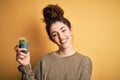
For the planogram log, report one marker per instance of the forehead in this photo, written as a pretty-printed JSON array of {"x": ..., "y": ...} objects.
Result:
[{"x": 57, "y": 26}]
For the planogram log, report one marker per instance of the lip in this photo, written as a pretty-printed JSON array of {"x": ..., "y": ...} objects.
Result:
[{"x": 63, "y": 41}]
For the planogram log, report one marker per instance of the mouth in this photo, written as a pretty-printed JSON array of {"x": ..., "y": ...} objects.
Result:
[{"x": 63, "y": 41}]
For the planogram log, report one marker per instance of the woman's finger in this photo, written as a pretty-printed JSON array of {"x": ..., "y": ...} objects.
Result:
[
  {"x": 20, "y": 56},
  {"x": 20, "y": 49},
  {"x": 23, "y": 54},
  {"x": 16, "y": 48}
]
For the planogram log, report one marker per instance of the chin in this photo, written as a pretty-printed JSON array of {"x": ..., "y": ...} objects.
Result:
[{"x": 64, "y": 46}]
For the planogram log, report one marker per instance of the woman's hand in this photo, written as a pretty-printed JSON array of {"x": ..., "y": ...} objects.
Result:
[{"x": 22, "y": 58}]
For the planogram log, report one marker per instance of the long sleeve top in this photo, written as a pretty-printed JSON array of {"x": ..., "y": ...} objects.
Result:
[{"x": 52, "y": 67}]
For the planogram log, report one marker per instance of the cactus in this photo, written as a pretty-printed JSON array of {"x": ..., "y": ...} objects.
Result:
[
  {"x": 22, "y": 41},
  {"x": 23, "y": 44}
]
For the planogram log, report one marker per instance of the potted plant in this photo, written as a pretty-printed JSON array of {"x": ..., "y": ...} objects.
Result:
[{"x": 23, "y": 44}]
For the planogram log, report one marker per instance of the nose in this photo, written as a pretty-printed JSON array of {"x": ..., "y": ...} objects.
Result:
[{"x": 61, "y": 36}]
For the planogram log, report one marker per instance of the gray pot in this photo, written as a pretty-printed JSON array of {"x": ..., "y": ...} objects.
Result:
[{"x": 24, "y": 46}]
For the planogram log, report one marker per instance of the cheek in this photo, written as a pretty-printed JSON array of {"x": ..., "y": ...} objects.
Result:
[
  {"x": 54, "y": 40},
  {"x": 69, "y": 34}
]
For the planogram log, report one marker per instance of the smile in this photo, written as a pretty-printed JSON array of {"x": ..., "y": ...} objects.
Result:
[{"x": 63, "y": 41}]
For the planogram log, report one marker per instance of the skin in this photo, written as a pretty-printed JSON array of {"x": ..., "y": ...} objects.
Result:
[
  {"x": 23, "y": 59},
  {"x": 60, "y": 34}
]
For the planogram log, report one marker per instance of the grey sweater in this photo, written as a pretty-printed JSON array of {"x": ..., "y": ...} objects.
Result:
[{"x": 52, "y": 67}]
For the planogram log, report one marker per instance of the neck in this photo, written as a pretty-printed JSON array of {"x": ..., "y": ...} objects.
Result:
[{"x": 63, "y": 52}]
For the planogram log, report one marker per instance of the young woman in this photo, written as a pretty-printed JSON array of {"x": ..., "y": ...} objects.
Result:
[{"x": 62, "y": 64}]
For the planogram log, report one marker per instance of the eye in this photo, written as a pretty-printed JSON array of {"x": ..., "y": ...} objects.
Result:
[
  {"x": 63, "y": 30},
  {"x": 54, "y": 35}
]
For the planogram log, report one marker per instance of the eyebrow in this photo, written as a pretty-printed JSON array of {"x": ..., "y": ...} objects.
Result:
[
  {"x": 62, "y": 28},
  {"x": 55, "y": 31}
]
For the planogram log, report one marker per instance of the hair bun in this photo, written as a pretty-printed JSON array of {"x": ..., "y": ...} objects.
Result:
[{"x": 52, "y": 12}]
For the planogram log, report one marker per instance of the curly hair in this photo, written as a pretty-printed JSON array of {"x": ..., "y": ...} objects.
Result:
[{"x": 52, "y": 14}]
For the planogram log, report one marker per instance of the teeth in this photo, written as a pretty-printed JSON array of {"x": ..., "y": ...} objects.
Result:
[{"x": 63, "y": 41}]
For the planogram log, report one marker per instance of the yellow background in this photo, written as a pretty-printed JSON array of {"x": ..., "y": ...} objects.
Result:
[{"x": 96, "y": 33}]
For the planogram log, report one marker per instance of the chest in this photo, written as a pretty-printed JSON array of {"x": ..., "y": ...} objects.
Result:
[{"x": 62, "y": 70}]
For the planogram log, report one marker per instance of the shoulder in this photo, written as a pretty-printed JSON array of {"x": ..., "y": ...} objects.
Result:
[
  {"x": 85, "y": 67},
  {"x": 45, "y": 56},
  {"x": 84, "y": 58}
]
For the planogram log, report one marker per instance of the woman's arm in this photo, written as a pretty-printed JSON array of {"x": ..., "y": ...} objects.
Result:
[
  {"x": 27, "y": 73},
  {"x": 86, "y": 69},
  {"x": 24, "y": 60}
]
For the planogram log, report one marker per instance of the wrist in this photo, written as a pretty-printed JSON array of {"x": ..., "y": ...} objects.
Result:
[
  {"x": 25, "y": 68},
  {"x": 26, "y": 64}
]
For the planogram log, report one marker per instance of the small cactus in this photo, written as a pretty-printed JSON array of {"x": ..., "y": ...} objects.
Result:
[{"x": 23, "y": 44}]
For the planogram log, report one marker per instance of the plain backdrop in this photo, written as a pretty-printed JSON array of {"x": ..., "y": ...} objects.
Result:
[{"x": 96, "y": 33}]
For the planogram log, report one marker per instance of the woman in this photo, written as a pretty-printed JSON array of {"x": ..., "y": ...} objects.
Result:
[{"x": 62, "y": 64}]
